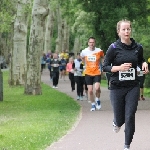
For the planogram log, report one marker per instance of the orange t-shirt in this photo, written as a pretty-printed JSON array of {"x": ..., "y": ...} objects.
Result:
[{"x": 92, "y": 60}]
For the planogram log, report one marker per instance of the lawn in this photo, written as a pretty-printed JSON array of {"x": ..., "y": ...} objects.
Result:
[
  {"x": 147, "y": 92},
  {"x": 34, "y": 122}
]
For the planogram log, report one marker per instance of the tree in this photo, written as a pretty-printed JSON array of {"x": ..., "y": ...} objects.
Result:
[
  {"x": 49, "y": 30},
  {"x": 18, "y": 63},
  {"x": 109, "y": 12},
  {"x": 33, "y": 79},
  {"x": 7, "y": 13},
  {"x": 59, "y": 31}
]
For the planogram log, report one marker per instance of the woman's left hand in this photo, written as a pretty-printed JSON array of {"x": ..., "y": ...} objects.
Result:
[{"x": 145, "y": 68}]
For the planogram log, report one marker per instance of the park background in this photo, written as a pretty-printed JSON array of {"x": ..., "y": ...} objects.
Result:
[{"x": 30, "y": 27}]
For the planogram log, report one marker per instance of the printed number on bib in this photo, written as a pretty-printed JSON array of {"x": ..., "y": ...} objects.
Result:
[
  {"x": 91, "y": 58},
  {"x": 127, "y": 75}
]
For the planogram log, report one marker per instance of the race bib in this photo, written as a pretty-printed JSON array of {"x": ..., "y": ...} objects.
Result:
[
  {"x": 91, "y": 58},
  {"x": 127, "y": 75},
  {"x": 55, "y": 65},
  {"x": 140, "y": 73}
]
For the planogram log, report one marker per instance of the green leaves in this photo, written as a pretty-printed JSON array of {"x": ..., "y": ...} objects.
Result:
[{"x": 109, "y": 12}]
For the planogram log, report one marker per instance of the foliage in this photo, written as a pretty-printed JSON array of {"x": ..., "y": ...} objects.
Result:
[
  {"x": 147, "y": 92},
  {"x": 83, "y": 25},
  {"x": 7, "y": 11},
  {"x": 34, "y": 122},
  {"x": 108, "y": 13}
]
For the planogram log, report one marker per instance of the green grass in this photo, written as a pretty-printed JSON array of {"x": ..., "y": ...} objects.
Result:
[
  {"x": 104, "y": 83},
  {"x": 147, "y": 92},
  {"x": 34, "y": 122}
]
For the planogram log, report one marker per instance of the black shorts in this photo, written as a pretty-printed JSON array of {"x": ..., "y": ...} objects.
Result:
[
  {"x": 63, "y": 68},
  {"x": 84, "y": 83},
  {"x": 90, "y": 80}
]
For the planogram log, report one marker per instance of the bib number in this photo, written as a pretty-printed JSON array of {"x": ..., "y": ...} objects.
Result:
[
  {"x": 91, "y": 58},
  {"x": 127, "y": 75},
  {"x": 55, "y": 65}
]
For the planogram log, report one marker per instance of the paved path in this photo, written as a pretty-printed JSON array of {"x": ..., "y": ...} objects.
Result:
[{"x": 94, "y": 129}]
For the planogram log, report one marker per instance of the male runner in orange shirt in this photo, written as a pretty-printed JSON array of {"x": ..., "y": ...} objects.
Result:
[{"x": 92, "y": 57}]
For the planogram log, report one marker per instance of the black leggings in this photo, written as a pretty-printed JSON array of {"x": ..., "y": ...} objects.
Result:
[
  {"x": 51, "y": 74},
  {"x": 71, "y": 78},
  {"x": 55, "y": 78},
  {"x": 79, "y": 81},
  {"x": 124, "y": 102},
  {"x": 84, "y": 83}
]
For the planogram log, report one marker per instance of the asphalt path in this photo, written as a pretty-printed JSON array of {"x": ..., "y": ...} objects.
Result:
[{"x": 93, "y": 130}]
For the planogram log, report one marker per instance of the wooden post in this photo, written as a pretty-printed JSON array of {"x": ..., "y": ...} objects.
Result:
[{"x": 1, "y": 85}]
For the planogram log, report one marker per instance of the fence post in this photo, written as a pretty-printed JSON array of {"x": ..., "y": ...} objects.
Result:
[{"x": 1, "y": 85}]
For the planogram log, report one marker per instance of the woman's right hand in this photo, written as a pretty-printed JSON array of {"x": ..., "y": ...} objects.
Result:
[{"x": 125, "y": 66}]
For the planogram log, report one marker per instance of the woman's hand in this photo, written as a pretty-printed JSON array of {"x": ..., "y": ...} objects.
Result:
[
  {"x": 125, "y": 66},
  {"x": 145, "y": 68}
]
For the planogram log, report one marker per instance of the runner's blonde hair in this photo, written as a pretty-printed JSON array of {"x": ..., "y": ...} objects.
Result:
[{"x": 123, "y": 20}]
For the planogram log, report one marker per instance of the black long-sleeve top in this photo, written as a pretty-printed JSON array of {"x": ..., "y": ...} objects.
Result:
[{"x": 119, "y": 53}]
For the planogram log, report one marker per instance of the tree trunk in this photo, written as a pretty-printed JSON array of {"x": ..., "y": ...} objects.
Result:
[
  {"x": 68, "y": 37},
  {"x": 19, "y": 45},
  {"x": 49, "y": 31},
  {"x": 1, "y": 85},
  {"x": 77, "y": 46},
  {"x": 39, "y": 12},
  {"x": 65, "y": 38},
  {"x": 59, "y": 24}
]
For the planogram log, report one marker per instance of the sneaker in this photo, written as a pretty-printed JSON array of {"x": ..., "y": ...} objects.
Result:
[
  {"x": 81, "y": 98},
  {"x": 78, "y": 97},
  {"x": 53, "y": 87},
  {"x": 86, "y": 97},
  {"x": 93, "y": 108},
  {"x": 127, "y": 147},
  {"x": 116, "y": 129},
  {"x": 98, "y": 105}
]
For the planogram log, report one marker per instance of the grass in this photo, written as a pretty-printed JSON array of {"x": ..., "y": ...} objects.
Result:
[
  {"x": 34, "y": 122},
  {"x": 104, "y": 83},
  {"x": 147, "y": 92}
]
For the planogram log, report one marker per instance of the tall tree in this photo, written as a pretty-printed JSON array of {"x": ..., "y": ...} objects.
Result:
[
  {"x": 65, "y": 35},
  {"x": 33, "y": 79},
  {"x": 18, "y": 63},
  {"x": 59, "y": 31},
  {"x": 82, "y": 28},
  {"x": 49, "y": 30}
]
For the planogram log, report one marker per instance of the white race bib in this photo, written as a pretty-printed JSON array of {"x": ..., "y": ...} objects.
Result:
[
  {"x": 91, "y": 58},
  {"x": 127, "y": 75},
  {"x": 140, "y": 73},
  {"x": 55, "y": 65}
]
